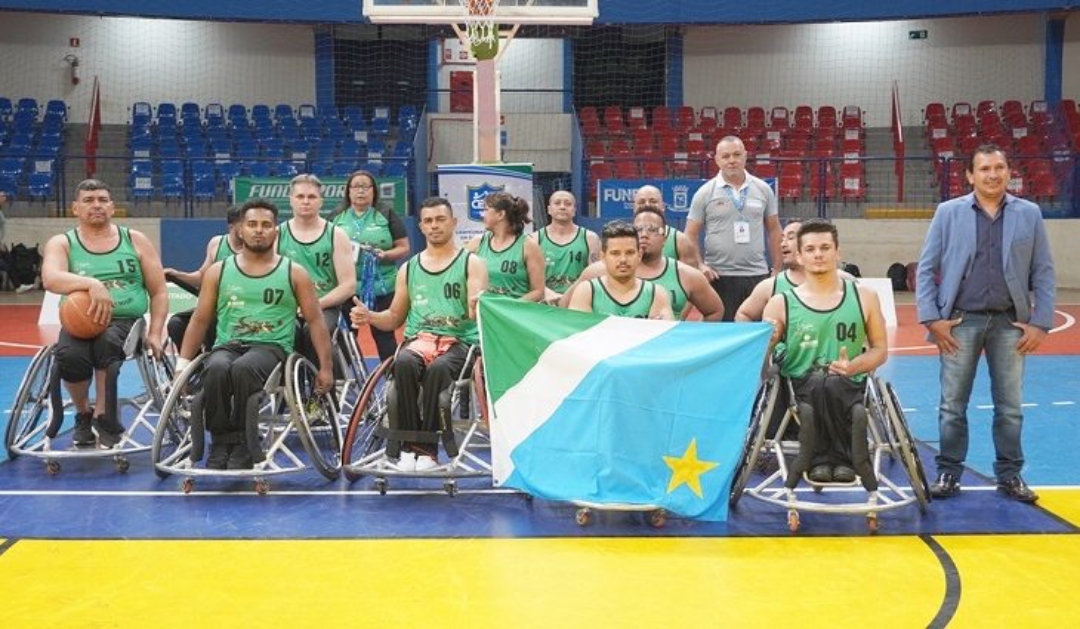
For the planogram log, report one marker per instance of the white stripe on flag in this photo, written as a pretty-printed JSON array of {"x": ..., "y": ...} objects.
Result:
[{"x": 529, "y": 403}]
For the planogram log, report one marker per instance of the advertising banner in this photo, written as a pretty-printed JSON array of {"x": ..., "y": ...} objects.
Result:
[{"x": 467, "y": 185}]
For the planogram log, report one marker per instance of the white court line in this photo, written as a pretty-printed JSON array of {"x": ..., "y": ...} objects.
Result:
[
  {"x": 176, "y": 493},
  {"x": 19, "y": 345},
  {"x": 1070, "y": 321},
  {"x": 1066, "y": 403}
]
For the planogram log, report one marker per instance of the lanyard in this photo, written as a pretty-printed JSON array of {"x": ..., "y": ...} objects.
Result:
[{"x": 740, "y": 201}]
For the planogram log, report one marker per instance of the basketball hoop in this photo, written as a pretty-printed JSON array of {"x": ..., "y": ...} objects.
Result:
[{"x": 480, "y": 27}]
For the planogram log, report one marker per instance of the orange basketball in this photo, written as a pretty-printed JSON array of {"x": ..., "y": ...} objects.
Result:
[{"x": 74, "y": 317}]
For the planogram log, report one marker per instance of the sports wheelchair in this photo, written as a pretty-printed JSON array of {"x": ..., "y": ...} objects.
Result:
[
  {"x": 289, "y": 428},
  {"x": 350, "y": 371},
  {"x": 37, "y": 415},
  {"x": 887, "y": 434},
  {"x": 462, "y": 429}
]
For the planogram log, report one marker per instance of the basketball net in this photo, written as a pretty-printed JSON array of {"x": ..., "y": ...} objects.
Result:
[{"x": 480, "y": 21}]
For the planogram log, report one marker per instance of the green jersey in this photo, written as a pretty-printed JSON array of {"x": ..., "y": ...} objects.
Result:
[
  {"x": 370, "y": 228},
  {"x": 669, "y": 279},
  {"x": 671, "y": 243},
  {"x": 638, "y": 307},
  {"x": 564, "y": 263},
  {"x": 507, "y": 274},
  {"x": 315, "y": 257},
  {"x": 254, "y": 309},
  {"x": 224, "y": 249},
  {"x": 813, "y": 338},
  {"x": 439, "y": 301},
  {"x": 783, "y": 283},
  {"x": 119, "y": 270}
]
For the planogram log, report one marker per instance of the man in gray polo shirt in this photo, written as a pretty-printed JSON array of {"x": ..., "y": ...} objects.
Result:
[{"x": 737, "y": 209}]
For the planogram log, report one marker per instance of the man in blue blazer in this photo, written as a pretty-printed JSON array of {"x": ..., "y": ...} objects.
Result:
[{"x": 985, "y": 283}]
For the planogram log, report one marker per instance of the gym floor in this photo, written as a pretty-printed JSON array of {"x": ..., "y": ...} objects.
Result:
[{"x": 90, "y": 547}]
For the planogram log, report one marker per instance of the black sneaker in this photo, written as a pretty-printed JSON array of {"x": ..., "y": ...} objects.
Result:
[
  {"x": 109, "y": 431},
  {"x": 946, "y": 486},
  {"x": 843, "y": 474},
  {"x": 83, "y": 434},
  {"x": 1018, "y": 490},
  {"x": 219, "y": 455},
  {"x": 821, "y": 474},
  {"x": 240, "y": 458}
]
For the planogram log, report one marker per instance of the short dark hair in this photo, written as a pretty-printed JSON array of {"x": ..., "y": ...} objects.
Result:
[
  {"x": 435, "y": 202},
  {"x": 985, "y": 149},
  {"x": 651, "y": 208},
  {"x": 232, "y": 216},
  {"x": 818, "y": 226},
  {"x": 90, "y": 185},
  {"x": 258, "y": 203},
  {"x": 617, "y": 229}
]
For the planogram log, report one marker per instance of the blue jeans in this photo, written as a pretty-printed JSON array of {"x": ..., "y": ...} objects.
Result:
[{"x": 995, "y": 335}]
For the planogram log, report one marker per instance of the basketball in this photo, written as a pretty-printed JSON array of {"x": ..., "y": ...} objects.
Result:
[{"x": 74, "y": 317}]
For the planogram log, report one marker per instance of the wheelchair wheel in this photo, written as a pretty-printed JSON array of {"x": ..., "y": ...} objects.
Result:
[
  {"x": 29, "y": 414},
  {"x": 877, "y": 416},
  {"x": 157, "y": 372},
  {"x": 755, "y": 436},
  {"x": 172, "y": 436},
  {"x": 314, "y": 416},
  {"x": 361, "y": 438},
  {"x": 909, "y": 453}
]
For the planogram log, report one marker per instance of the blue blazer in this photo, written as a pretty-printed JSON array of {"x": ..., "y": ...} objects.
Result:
[{"x": 949, "y": 252}]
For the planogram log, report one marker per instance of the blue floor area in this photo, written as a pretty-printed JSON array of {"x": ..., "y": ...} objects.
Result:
[{"x": 139, "y": 505}]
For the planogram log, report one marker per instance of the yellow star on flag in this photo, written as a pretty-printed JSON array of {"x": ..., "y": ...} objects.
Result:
[{"x": 688, "y": 469}]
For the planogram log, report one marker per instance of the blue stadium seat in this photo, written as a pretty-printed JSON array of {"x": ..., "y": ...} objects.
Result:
[
  {"x": 257, "y": 168},
  {"x": 376, "y": 149},
  {"x": 141, "y": 180},
  {"x": 354, "y": 116},
  {"x": 305, "y": 111},
  {"x": 260, "y": 112},
  {"x": 56, "y": 109},
  {"x": 28, "y": 105},
  {"x": 310, "y": 129},
  {"x": 380, "y": 121},
  {"x": 326, "y": 148},
  {"x": 168, "y": 149},
  {"x": 5, "y": 108},
  {"x": 190, "y": 112},
  {"x": 172, "y": 186},
  {"x": 141, "y": 114},
  {"x": 238, "y": 115},
  {"x": 323, "y": 167},
  {"x": 286, "y": 168},
  {"x": 39, "y": 185},
  {"x": 351, "y": 149},
  {"x": 24, "y": 120},
  {"x": 9, "y": 185},
  {"x": 247, "y": 150},
  {"x": 375, "y": 168},
  {"x": 204, "y": 188},
  {"x": 226, "y": 170},
  {"x": 335, "y": 128},
  {"x": 216, "y": 112},
  {"x": 395, "y": 168},
  {"x": 166, "y": 114},
  {"x": 11, "y": 167},
  {"x": 343, "y": 167},
  {"x": 283, "y": 111}
]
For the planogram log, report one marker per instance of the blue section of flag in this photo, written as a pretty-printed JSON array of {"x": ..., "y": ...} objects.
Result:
[{"x": 607, "y": 441}]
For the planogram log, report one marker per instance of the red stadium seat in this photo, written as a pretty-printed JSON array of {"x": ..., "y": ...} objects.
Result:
[
  {"x": 733, "y": 118},
  {"x": 635, "y": 118},
  {"x": 684, "y": 118},
  {"x": 653, "y": 169},
  {"x": 627, "y": 169}
]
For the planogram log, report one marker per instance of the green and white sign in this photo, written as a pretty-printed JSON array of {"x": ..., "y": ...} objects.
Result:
[{"x": 392, "y": 192}]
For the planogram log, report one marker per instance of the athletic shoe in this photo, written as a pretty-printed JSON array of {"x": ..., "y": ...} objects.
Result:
[
  {"x": 843, "y": 474},
  {"x": 406, "y": 462},
  {"x": 240, "y": 458},
  {"x": 219, "y": 455},
  {"x": 946, "y": 486},
  {"x": 25, "y": 288},
  {"x": 109, "y": 431},
  {"x": 83, "y": 434},
  {"x": 1017, "y": 489},
  {"x": 820, "y": 474},
  {"x": 425, "y": 463}
]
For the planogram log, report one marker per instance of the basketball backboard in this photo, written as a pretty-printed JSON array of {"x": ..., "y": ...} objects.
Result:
[{"x": 579, "y": 12}]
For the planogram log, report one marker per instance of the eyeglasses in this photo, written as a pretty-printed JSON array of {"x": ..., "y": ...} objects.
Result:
[
  {"x": 648, "y": 229},
  {"x": 361, "y": 186}
]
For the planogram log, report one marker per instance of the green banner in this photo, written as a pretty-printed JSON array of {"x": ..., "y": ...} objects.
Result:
[{"x": 392, "y": 192}]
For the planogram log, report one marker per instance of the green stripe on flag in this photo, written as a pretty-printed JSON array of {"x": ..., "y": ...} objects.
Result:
[{"x": 501, "y": 321}]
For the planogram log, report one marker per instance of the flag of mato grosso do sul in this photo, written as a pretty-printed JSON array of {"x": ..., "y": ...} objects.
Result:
[{"x": 618, "y": 411}]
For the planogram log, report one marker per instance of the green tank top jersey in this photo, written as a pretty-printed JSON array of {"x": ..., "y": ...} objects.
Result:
[
  {"x": 315, "y": 257},
  {"x": 224, "y": 249},
  {"x": 564, "y": 263},
  {"x": 671, "y": 244},
  {"x": 370, "y": 229},
  {"x": 783, "y": 283},
  {"x": 637, "y": 308},
  {"x": 256, "y": 309},
  {"x": 119, "y": 270},
  {"x": 439, "y": 302},
  {"x": 669, "y": 279},
  {"x": 813, "y": 338},
  {"x": 507, "y": 274}
]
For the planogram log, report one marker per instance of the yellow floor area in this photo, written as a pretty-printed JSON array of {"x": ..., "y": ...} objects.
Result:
[{"x": 501, "y": 583}]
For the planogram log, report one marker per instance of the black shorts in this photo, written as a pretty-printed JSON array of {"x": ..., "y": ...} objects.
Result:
[{"x": 77, "y": 359}]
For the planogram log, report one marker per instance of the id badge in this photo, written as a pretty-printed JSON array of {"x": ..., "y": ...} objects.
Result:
[
  {"x": 355, "y": 251},
  {"x": 742, "y": 232}
]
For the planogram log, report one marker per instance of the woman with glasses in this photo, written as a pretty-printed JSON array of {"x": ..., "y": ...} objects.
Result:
[{"x": 378, "y": 241}]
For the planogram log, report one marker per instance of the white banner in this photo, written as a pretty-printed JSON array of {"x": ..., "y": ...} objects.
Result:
[{"x": 467, "y": 185}]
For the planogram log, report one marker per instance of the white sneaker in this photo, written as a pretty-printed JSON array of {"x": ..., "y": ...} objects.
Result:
[
  {"x": 406, "y": 462},
  {"x": 425, "y": 463},
  {"x": 24, "y": 288}
]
